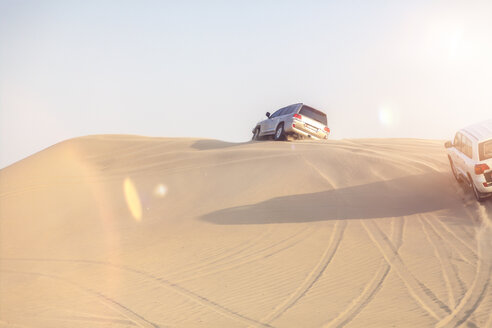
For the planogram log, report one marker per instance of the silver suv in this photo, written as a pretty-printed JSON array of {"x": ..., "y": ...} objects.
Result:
[
  {"x": 470, "y": 156},
  {"x": 298, "y": 121}
]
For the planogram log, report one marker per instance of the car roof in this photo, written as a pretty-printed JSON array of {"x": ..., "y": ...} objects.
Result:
[
  {"x": 481, "y": 131},
  {"x": 304, "y": 105}
]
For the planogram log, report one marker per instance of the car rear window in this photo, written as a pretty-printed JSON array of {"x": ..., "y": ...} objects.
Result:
[
  {"x": 485, "y": 150},
  {"x": 291, "y": 109},
  {"x": 314, "y": 114}
]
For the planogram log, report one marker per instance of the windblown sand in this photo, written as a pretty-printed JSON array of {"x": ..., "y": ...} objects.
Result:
[{"x": 124, "y": 231}]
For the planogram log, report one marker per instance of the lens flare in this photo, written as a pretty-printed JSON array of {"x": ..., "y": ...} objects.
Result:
[
  {"x": 386, "y": 116},
  {"x": 132, "y": 199},
  {"x": 160, "y": 190}
]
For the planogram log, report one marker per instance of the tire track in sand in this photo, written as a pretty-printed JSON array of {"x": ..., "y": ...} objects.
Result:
[
  {"x": 96, "y": 319},
  {"x": 455, "y": 287},
  {"x": 66, "y": 314},
  {"x": 372, "y": 288},
  {"x": 476, "y": 293},
  {"x": 201, "y": 300},
  {"x": 466, "y": 252},
  {"x": 317, "y": 271},
  {"x": 376, "y": 282},
  {"x": 222, "y": 256},
  {"x": 109, "y": 302},
  {"x": 256, "y": 255},
  {"x": 417, "y": 289},
  {"x": 197, "y": 298},
  {"x": 422, "y": 295},
  {"x": 313, "y": 276}
]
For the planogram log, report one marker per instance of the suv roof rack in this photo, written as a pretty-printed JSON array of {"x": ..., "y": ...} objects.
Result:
[{"x": 480, "y": 131}]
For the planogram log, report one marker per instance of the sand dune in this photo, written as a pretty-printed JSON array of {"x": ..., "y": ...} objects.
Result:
[{"x": 125, "y": 231}]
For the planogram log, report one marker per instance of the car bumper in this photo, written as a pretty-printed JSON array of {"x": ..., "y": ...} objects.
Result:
[
  {"x": 483, "y": 182},
  {"x": 317, "y": 135}
]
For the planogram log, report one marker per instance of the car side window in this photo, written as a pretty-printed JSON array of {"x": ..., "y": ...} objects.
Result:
[
  {"x": 457, "y": 141},
  {"x": 467, "y": 146},
  {"x": 485, "y": 150},
  {"x": 277, "y": 113},
  {"x": 292, "y": 109},
  {"x": 284, "y": 111}
]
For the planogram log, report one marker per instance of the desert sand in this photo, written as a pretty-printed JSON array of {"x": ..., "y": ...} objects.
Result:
[{"x": 127, "y": 231}]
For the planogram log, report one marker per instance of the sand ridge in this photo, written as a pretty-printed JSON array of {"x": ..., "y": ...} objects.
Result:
[{"x": 121, "y": 231}]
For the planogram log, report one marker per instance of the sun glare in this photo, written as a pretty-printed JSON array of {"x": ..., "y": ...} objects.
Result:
[
  {"x": 387, "y": 116},
  {"x": 160, "y": 190},
  {"x": 132, "y": 199}
]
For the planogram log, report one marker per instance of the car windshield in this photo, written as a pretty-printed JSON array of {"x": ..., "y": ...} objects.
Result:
[
  {"x": 314, "y": 114},
  {"x": 485, "y": 150}
]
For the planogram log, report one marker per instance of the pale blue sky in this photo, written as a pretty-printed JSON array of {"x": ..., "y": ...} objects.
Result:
[{"x": 213, "y": 68}]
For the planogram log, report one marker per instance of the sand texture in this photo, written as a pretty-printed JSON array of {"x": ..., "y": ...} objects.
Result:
[{"x": 127, "y": 231}]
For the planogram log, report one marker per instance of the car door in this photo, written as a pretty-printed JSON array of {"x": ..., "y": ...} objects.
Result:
[
  {"x": 467, "y": 157},
  {"x": 263, "y": 125},
  {"x": 277, "y": 119},
  {"x": 457, "y": 157},
  {"x": 271, "y": 123}
]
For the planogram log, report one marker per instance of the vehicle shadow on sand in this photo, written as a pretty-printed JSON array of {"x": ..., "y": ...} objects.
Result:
[
  {"x": 211, "y": 144},
  {"x": 394, "y": 198},
  {"x": 216, "y": 144}
]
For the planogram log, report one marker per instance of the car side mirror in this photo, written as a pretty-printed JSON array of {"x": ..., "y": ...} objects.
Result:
[
  {"x": 448, "y": 144},
  {"x": 267, "y": 114}
]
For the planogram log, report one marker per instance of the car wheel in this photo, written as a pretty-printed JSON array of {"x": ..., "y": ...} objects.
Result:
[
  {"x": 256, "y": 135},
  {"x": 279, "y": 133},
  {"x": 455, "y": 172},
  {"x": 478, "y": 195}
]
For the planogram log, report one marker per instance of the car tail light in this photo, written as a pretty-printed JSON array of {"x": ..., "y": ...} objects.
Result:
[
  {"x": 327, "y": 129},
  {"x": 481, "y": 168},
  {"x": 299, "y": 117}
]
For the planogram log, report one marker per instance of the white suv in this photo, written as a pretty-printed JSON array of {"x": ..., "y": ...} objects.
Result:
[{"x": 470, "y": 156}]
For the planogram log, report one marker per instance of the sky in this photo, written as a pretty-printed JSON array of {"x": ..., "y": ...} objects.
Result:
[{"x": 211, "y": 69}]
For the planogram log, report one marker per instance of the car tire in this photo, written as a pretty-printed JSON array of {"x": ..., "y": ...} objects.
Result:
[
  {"x": 279, "y": 133},
  {"x": 478, "y": 195},
  {"x": 256, "y": 135},
  {"x": 453, "y": 169}
]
